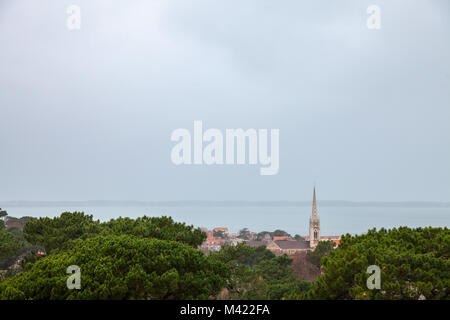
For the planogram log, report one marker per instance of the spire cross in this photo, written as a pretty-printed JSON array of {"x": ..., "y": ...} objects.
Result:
[{"x": 314, "y": 209}]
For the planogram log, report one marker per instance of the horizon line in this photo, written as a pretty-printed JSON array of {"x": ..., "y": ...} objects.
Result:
[{"x": 221, "y": 203}]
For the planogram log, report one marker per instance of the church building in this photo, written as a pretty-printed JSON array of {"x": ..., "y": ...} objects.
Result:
[
  {"x": 314, "y": 228},
  {"x": 314, "y": 224},
  {"x": 289, "y": 246}
]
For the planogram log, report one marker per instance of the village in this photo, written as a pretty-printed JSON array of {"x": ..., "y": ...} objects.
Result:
[
  {"x": 278, "y": 244},
  {"x": 278, "y": 241}
]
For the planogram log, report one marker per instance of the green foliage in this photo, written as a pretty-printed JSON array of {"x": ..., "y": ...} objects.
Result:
[
  {"x": 256, "y": 273},
  {"x": 276, "y": 233},
  {"x": 264, "y": 290},
  {"x": 299, "y": 237},
  {"x": 163, "y": 228},
  {"x": 414, "y": 264},
  {"x": 279, "y": 233},
  {"x": 277, "y": 270},
  {"x": 13, "y": 247},
  {"x": 322, "y": 249},
  {"x": 3, "y": 213},
  {"x": 236, "y": 258},
  {"x": 260, "y": 235},
  {"x": 121, "y": 267},
  {"x": 156, "y": 258},
  {"x": 16, "y": 232},
  {"x": 241, "y": 254},
  {"x": 11, "y": 293},
  {"x": 244, "y": 234},
  {"x": 9, "y": 244},
  {"x": 57, "y": 232}
]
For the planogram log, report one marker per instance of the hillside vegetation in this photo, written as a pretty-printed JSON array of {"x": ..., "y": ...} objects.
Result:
[{"x": 157, "y": 258}]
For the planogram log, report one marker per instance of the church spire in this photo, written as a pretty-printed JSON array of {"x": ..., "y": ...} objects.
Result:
[
  {"x": 314, "y": 224},
  {"x": 314, "y": 208}
]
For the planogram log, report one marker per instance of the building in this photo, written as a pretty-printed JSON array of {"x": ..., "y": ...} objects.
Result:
[
  {"x": 314, "y": 224},
  {"x": 288, "y": 247},
  {"x": 224, "y": 230},
  {"x": 212, "y": 243},
  {"x": 314, "y": 228},
  {"x": 253, "y": 243},
  {"x": 276, "y": 238},
  {"x": 233, "y": 241},
  {"x": 335, "y": 239}
]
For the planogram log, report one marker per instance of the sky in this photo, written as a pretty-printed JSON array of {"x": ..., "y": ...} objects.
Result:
[{"x": 88, "y": 114}]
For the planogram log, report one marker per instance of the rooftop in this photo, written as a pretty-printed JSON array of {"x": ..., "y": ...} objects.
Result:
[{"x": 292, "y": 244}]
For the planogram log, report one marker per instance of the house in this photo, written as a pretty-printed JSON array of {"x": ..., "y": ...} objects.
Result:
[
  {"x": 234, "y": 241},
  {"x": 254, "y": 243},
  {"x": 212, "y": 243},
  {"x": 335, "y": 239},
  {"x": 209, "y": 238}
]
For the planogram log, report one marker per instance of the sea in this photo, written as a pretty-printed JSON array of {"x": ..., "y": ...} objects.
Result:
[{"x": 337, "y": 220}]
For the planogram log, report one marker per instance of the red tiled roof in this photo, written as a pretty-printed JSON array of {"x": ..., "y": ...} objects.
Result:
[{"x": 280, "y": 238}]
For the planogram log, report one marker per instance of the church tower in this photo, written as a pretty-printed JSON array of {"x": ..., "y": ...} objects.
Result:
[{"x": 314, "y": 224}]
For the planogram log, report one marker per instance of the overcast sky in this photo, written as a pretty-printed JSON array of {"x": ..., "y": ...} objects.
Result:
[{"x": 88, "y": 114}]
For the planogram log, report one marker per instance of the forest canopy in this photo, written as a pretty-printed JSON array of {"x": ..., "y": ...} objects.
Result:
[
  {"x": 121, "y": 267},
  {"x": 414, "y": 264},
  {"x": 58, "y": 232},
  {"x": 158, "y": 258}
]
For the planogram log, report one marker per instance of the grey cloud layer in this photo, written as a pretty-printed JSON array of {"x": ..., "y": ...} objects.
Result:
[{"x": 88, "y": 114}]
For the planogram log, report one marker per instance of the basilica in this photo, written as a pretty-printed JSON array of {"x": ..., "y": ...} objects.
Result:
[{"x": 289, "y": 246}]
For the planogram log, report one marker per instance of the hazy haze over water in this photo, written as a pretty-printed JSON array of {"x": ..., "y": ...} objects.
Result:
[{"x": 334, "y": 220}]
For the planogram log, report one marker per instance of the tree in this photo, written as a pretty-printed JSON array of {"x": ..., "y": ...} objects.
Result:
[
  {"x": 8, "y": 244},
  {"x": 260, "y": 236},
  {"x": 57, "y": 232},
  {"x": 121, "y": 267},
  {"x": 12, "y": 247},
  {"x": 413, "y": 263},
  {"x": 256, "y": 273},
  {"x": 241, "y": 274},
  {"x": 163, "y": 228},
  {"x": 3, "y": 213},
  {"x": 279, "y": 233},
  {"x": 322, "y": 249},
  {"x": 16, "y": 232},
  {"x": 276, "y": 278},
  {"x": 244, "y": 234}
]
